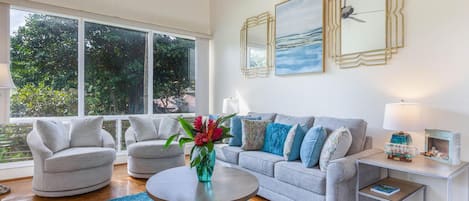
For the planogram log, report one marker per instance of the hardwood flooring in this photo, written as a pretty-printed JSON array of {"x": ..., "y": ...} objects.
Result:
[{"x": 121, "y": 185}]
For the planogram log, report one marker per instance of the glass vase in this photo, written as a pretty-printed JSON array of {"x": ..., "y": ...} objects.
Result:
[{"x": 205, "y": 167}]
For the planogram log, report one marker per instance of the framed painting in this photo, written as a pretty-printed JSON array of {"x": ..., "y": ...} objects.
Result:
[{"x": 299, "y": 37}]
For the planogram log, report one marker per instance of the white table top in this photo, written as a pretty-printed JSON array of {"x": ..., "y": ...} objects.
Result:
[{"x": 419, "y": 165}]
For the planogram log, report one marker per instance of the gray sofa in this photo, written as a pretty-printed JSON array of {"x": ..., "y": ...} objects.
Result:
[
  {"x": 290, "y": 180},
  {"x": 72, "y": 171}
]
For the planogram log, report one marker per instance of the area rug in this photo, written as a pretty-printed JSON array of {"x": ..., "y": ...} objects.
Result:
[{"x": 135, "y": 197}]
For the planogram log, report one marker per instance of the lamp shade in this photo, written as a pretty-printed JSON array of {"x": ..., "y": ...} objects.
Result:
[
  {"x": 230, "y": 105},
  {"x": 5, "y": 77},
  {"x": 402, "y": 117}
]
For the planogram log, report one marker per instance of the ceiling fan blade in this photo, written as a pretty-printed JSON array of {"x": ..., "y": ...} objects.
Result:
[
  {"x": 356, "y": 19},
  {"x": 366, "y": 12}
]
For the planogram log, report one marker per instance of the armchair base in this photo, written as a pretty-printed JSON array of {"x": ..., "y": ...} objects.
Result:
[{"x": 71, "y": 192}]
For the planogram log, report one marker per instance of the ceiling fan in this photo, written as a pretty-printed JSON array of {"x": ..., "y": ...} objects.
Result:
[{"x": 348, "y": 12}]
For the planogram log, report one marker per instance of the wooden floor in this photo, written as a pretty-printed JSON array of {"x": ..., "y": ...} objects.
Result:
[{"x": 121, "y": 185}]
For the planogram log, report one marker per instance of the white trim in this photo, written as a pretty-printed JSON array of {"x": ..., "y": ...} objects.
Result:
[
  {"x": 81, "y": 67},
  {"x": 150, "y": 73},
  {"x": 106, "y": 117},
  {"x": 119, "y": 134}
]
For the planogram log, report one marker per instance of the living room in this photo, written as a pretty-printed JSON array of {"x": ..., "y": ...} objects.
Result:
[{"x": 73, "y": 60}]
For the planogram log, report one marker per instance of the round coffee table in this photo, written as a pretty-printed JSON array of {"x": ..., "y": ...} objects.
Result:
[{"x": 181, "y": 184}]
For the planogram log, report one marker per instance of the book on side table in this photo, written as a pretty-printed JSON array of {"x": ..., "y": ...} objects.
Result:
[{"x": 384, "y": 189}]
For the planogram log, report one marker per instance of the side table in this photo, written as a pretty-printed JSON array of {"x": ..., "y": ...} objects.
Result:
[{"x": 419, "y": 166}]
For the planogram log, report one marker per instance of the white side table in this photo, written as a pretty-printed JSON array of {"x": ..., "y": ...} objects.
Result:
[{"x": 419, "y": 166}]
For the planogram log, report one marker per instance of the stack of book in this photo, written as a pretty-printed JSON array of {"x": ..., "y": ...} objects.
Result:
[{"x": 385, "y": 189}]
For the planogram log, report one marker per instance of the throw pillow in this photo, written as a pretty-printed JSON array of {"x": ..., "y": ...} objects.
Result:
[
  {"x": 144, "y": 128},
  {"x": 236, "y": 129},
  {"x": 274, "y": 140},
  {"x": 336, "y": 146},
  {"x": 168, "y": 126},
  {"x": 312, "y": 145},
  {"x": 86, "y": 132},
  {"x": 291, "y": 149},
  {"x": 53, "y": 134},
  {"x": 253, "y": 134}
]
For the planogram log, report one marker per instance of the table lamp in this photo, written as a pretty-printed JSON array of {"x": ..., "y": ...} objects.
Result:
[
  {"x": 402, "y": 117},
  {"x": 230, "y": 105}
]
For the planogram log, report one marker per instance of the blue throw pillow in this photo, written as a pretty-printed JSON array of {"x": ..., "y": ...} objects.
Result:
[
  {"x": 274, "y": 140},
  {"x": 312, "y": 145},
  {"x": 236, "y": 129},
  {"x": 291, "y": 150},
  {"x": 213, "y": 116}
]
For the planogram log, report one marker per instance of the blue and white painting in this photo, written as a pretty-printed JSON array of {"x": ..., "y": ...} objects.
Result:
[{"x": 299, "y": 37}]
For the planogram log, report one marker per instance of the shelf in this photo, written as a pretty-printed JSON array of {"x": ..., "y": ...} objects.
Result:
[{"x": 407, "y": 189}]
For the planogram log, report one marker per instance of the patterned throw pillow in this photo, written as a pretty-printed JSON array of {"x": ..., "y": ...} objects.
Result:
[
  {"x": 336, "y": 146},
  {"x": 274, "y": 139},
  {"x": 236, "y": 129},
  {"x": 312, "y": 145},
  {"x": 291, "y": 149},
  {"x": 253, "y": 134}
]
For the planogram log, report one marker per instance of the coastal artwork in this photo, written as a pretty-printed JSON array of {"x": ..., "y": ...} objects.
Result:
[{"x": 299, "y": 37}]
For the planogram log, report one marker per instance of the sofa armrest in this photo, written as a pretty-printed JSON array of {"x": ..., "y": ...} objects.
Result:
[
  {"x": 108, "y": 140},
  {"x": 341, "y": 175},
  {"x": 130, "y": 136},
  {"x": 37, "y": 147}
]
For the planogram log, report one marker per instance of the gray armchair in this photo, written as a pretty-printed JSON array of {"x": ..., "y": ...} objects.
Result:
[
  {"x": 72, "y": 171},
  {"x": 146, "y": 158}
]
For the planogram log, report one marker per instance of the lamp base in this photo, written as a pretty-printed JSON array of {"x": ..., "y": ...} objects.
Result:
[
  {"x": 401, "y": 138},
  {"x": 4, "y": 189}
]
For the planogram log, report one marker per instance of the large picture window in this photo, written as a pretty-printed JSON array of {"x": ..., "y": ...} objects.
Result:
[
  {"x": 114, "y": 70},
  {"x": 44, "y": 65},
  {"x": 173, "y": 74}
]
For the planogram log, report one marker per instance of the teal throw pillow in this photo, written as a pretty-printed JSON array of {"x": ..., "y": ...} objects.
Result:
[
  {"x": 236, "y": 129},
  {"x": 291, "y": 149},
  {"x": 312, "y": 145},
  {"x": 274, "y": 140}
]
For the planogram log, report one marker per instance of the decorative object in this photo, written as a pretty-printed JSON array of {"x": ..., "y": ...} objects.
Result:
[
  {"x": 292, "y": 146},
  {"x": 365, "y": 32},
  {"x": 402, "y": 117},
  {"x": 180, "y": 184},
  {"x": 86, "y": 132},
  {"x": 336, "y": 146},
  {"x": 53, "y": 134},
  {"x": 230, "y": 105},
  {"x": 204, "y": 133},
  {"x": 253, "y": 134},
  {"x": 236, "y": 129},
  {"x": 299, "y": 36},
  {"x": 257, "y": 46},
  {"x": 443, "y": 146},
  {"x": 275, "y": 136},
  {"x": 6, "y": 84},
  {"x": 400, "y": 152},
  {"x": 312, "y": 145},
  {"x": 144, "y": 127}
]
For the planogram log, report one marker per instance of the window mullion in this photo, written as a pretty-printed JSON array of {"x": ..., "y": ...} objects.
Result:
[
  {"x": 81, "y": 67},
  {"x": 150, "y": 72}
]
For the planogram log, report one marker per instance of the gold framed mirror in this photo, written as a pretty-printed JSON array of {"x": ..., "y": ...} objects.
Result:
[
  {"x": 364, "y": 32},
  {"x": 257, "y": 46}
]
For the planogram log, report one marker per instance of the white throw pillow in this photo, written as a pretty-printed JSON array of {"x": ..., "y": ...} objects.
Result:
[
  {"x": 336, "y": 146},
  {"x": 53, "y": 134},
  {"x": 86, "y": 132},
  {"x": 144, "y": 128},
  {"x": 287, "y": 147},
  {"x": 167, "y": 127}
]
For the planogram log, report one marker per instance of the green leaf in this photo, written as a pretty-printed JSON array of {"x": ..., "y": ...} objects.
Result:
[
  {"x": 210, "y": 146},
  {"x": 192, "y": 152},
  {"x": 223, "y": 119},
  {"x": 187, "y": 127},
  {"x": 195, "y": 162},
  {"x": 170, "y": 140},
  {"x": 183, "y": 141}
]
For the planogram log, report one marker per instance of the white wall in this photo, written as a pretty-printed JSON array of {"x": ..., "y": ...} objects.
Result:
[{"x": 432, "y": 69}]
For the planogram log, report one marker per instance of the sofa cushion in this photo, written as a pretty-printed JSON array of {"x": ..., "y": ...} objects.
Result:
[
  {"x": 153, "y": 149},
  {"x": 335, "y": 147},
  {"x": 258, "y": 161},
  {"x": 144, "y": 128},
  {"x": 357, "y": 128},
  {"x": 274, "y": 140},
  {"x": 228, "y": 153},
  {"x": 53, "y": 134},
  {"x": 253, "y": 134},
  {"x": 167, "y": 127},
  {"x": 236, "y": 129},
  {"x": 291, "y": 149},
  {"x": 79, "y": 158},
  {"x": 263, "y": 116},
  {"x": 310, "y": 179},
  {"x": 305, "y": 122},
  {"x": 86, "y": 132}
]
